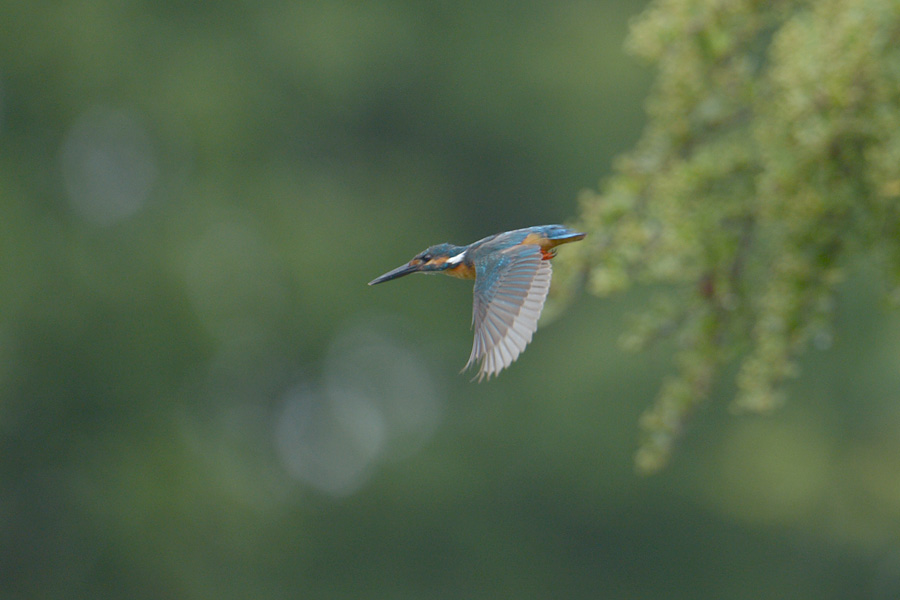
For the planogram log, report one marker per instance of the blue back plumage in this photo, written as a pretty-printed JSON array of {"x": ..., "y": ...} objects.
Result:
[
  {"x": 555, "y": 232},
  {"x": 508, "y": 239}
]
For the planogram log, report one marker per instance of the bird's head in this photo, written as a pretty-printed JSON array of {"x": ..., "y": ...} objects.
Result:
[{"x": 431, "y": 260}]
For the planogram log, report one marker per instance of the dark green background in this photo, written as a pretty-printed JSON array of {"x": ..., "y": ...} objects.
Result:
[{"x": 201, "y": 398}]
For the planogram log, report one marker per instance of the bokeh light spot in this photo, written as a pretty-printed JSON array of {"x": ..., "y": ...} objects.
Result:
[
  {"x": 109, "y": 166},
  {"x": 378, "y": 401}
]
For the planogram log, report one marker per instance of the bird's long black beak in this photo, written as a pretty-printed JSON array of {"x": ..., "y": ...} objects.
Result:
[{"x": 398, "y": 272}]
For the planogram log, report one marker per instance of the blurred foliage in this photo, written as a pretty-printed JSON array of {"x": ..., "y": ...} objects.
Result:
[
  {"x": 769, "y": 165},
  {"x": 200, "y": 397}
]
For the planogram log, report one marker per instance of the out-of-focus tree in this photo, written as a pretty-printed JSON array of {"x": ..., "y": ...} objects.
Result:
[{"x": 769, "y": 164}]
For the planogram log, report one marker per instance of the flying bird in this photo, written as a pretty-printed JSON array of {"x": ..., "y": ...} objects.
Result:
[{"x": 512, "y": 277}]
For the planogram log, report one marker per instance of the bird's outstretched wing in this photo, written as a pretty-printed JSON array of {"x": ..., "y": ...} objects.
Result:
[{"x": 510, "y": 289}]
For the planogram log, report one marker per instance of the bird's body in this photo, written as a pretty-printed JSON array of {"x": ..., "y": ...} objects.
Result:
[{"x": 512, "y": 277}]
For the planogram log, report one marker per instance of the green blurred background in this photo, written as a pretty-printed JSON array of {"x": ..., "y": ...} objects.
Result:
[{"x": 201, "y": 398}]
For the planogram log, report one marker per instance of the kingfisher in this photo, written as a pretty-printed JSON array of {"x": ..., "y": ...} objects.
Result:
[{"x": 512, "y": 277}]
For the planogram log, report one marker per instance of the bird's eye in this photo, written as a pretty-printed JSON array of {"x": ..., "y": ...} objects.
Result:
[{"x": 425, "y": 257}]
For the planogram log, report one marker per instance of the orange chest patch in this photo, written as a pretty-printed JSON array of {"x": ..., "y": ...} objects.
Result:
[{"x": 462, "y": 270}]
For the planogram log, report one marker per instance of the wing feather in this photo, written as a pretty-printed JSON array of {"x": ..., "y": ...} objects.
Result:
[{"x": 510, "y": 289}]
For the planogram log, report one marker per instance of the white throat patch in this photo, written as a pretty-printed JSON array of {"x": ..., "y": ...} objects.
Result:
[{"x": 455, "y": 260}]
